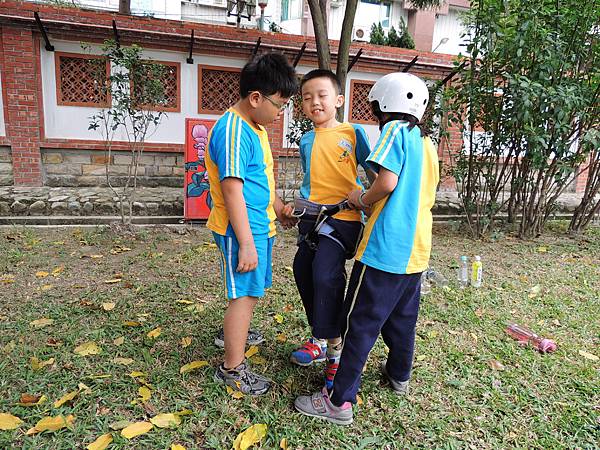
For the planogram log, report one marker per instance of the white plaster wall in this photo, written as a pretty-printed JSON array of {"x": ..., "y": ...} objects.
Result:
[
  {"x": 165, "y": 9},
  {"x": 71, "y": 122},
  {"x": 449, "y": 26},
  {"x": 366, "y": 15},
  {"x": 2, "y": 124}
]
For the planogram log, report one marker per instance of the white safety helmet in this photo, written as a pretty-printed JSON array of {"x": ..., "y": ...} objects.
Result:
[{"x": 400, "y": 92}]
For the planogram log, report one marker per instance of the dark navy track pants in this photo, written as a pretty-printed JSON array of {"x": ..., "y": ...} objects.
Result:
[{"x": 376, "y": 302}]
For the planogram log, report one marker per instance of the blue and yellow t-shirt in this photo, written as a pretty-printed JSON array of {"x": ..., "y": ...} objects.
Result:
[
  {"x": 237, "y": 149},
  {"x": 397, "y": 237},
  {"x": 329, "y": 160}
]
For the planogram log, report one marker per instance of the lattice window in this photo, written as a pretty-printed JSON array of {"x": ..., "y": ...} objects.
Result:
[
  {"x": 360, "y": 108},
  {"x": 218, "y": 89},
  {"x": 81, "y": 80},
  {"x": 168, "y": 76}
]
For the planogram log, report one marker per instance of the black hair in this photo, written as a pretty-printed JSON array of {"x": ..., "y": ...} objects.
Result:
[
  {"x": 269, "y": 74},
  {"x": 385, "y": 117},
  {"x": 322, "y": 73}
]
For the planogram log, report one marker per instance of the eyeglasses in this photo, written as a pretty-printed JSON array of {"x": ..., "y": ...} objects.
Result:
[{"x": 279, "y": 106}]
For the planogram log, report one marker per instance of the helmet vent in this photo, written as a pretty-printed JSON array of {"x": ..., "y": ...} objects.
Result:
[{"x": 409, "y": 95}]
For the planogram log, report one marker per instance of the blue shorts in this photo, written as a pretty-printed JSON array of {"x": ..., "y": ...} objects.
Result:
[{"x": 253, "y": 283}]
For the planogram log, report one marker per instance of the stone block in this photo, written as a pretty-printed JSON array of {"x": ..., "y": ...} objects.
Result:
[
  {"x": 100, "y": 159},
  {"x": 65, "y": 169},
  {"x": 4, "y": 208},
  {"x": 6, "y": 180},
  {"x": 5, "y": 156},
  {"x": 88, "y": 207},
  {"x": 37, "y": 208},
  {"x": 5, "y": 168},
  {"x": 179, "y": 171},
  {"x": 61, "y": 181},
  {"x": 76, "y": 158},
  {"x": 52, "y": 158},
  {"x": 123, "y": 160},
  {"x": 165, "y": 170},
  {"x": 165, "y": 161},
  {"x": 18, "y": 207},
  {"x": 59, "y": 207},
  {"x": 91, "y": 181}
]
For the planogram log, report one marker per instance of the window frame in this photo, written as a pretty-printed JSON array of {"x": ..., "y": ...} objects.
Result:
[
  {"x": 202, "y": 67},
  {"x": 177, "y": 107},
  {"x": 352, "y": 105},
  {"x": 57, "y": 76}
]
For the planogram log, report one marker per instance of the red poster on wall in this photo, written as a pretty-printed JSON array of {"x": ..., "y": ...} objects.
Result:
[{"x": 197, "y": 193}]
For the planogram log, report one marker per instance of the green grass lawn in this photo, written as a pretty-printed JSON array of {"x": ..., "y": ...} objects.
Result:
[{"x": 472, "y": 386}]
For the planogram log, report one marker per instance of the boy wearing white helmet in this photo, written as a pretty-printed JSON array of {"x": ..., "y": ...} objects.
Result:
[{"x": 384, "y": 291}]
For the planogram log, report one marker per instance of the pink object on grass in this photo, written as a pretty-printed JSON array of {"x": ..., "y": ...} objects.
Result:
[{"x": 526, "y": 336}]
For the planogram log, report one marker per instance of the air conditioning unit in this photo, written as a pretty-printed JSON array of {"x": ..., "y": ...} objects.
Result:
[{"x": 360, "y": 34}]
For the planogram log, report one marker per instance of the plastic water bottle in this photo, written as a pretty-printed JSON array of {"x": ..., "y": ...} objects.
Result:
[
  {"x": 463, "y": 272},
  {"x": 476, "y": 272},
  {"x": 425, "y": 284},
  {"x": 436, "y": 278},
  {"x": 526, "y": 336}
]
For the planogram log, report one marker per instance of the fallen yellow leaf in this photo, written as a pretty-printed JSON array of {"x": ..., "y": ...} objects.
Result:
[
  {"x": 136, "y": 374},
  {"x": 154, "y": 333},
  {"x": 588, "y": 355},
  {"x": 135, "y": 429},
  {"x": 119, "y": 341},
  {"x": 166, "y": 420},
  {"x": 96, "y": 256},
  {"x": 41, "y": 274},
  {"x": 108, "y": 306},
  {"x": 177, "y": 447},
  {"x": 281, "y": 337},
  {"x": 253, "y": 350},
  {"x": 283, "y": 444},
  {"x": 145, "y": 393},
  {"x": 131, "y": 323},
  {"x": 46, "y": 287},
  {"x": 186, "y": 341},
  {"x": 235, "y": 394},
  {"x": 359, "y": 401},
  {"x": 102, "y": 375},
  {"x": 192, "y": 366},
  {"x": 41, "y": 323},
  {"x": 278, "y": 318},
  {"x": 65, "y": 398},
  {"x": 185, "y": 302},
  {"x": 421, "y": 357},
  {"x": 250, "y": 436},
  {"x": 37, "y": 364},
  {"x": 6, "y": 279},
  {"x": 56, "y": 272},
  {"x": 52, "y": 424},
  {"x": 184, "y": 412},
  {"x": 123, "y": 361},
  {"x": 101, "y": 443},
  {"x": 9, "y": 422},
  {"x": 88, "y": 348},
  {"x": 113, "y": 281},
  {"x": 31, "y": 400},
  {"x": 259, "y": 360},
  {"x": 84, "y": 388}
]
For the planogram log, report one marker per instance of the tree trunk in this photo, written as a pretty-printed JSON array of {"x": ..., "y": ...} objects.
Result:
[
  {"x": 125, "y": 6},
  {"x": 344, "y": 48},
  {"x": 319, "y": 20}
]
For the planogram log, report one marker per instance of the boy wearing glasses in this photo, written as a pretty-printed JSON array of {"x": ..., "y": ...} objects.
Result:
[{"x": 245, "y": 205}]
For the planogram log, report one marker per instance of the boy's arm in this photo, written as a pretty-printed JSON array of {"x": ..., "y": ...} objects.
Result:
[
  {"x": 238, "y": 217},
  {"x": 385, "y": 183}
]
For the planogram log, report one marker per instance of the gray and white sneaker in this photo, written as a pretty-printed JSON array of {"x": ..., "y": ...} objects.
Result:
[
  {"x": 319, "y": 405},
  {"x": 399, "y": 387},
  {"x": 242, "y": 379},
  {"x": 254, "y": 338}
]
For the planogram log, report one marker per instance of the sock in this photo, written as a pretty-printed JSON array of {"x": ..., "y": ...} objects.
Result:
[{"x": 334, "y": 351}]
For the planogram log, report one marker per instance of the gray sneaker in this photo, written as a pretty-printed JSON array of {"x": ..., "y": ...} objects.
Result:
[
  {"x": 242, "y": 379},
  {"x": 254, "y": 338},
  {"x": 319, "y": 405},
  {"x": 399, "y": 387}
]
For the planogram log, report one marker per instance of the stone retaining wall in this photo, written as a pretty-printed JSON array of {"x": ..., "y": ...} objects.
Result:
[
  {"x": 72, "y": 168},
  {"x": 6, "y": 168}
]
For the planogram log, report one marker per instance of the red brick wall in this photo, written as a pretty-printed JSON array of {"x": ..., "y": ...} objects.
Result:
[{"x": 20, "y": 82}]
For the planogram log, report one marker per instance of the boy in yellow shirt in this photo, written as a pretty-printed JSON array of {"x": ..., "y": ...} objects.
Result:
[{"x": 330, "y": 155}]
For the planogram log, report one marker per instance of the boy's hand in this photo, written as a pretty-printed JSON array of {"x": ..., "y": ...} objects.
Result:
[
  {"x": 285, "y": 216},
  {"x": 247, "y": 258},
  {"x": 353, "y": 199}
]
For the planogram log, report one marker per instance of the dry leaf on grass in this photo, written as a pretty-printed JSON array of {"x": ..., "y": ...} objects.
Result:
[
  {"x": 250, "y": 436},
  {"x": 185, "y": 302},
  {"x": 119, "y": 341},
  {"x": 281, "y": 337},
  {"x": 136, "y": 429},
  {"x": 9, "y": 422},
  {"x": 166, "y": 420},
  {"x": 31, "y": 400},
  {"x": 177, "y": 447},
  {"x": 56, "y": 272},
  {"x": 131, "y": 323},
  {"x": 41, "y": 323},
  {"x": 185, "y": 342},
  {"x": 101, "y": 443},
  {"x": 88, "y": 348},
  {"x": 37, "y": 364},
  {"x": 122, "y": 361},
  {"x": 108, "y": 306},
  {"x": 41, "y": 274},
  {"x": 235, "y": 394},
  {"x": 113, "y": 281},
  {"x": 52, "y": 424},
  {"x": 154, "y": 333},
  {"x": 278, "y": 318},
  {"x": 136, "y": 374},
  {"x": 495, "y": 364},
  {"x": 588, "y": 355},
  {"x": 65, "y": 398},
  {"x": 145, "y": 393},
  {"x": 253, "y": 350},
  {"x": 192, "y": 366},
  {"x": 47, "y": 287},
  {"x": 283, "y": 444}
]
